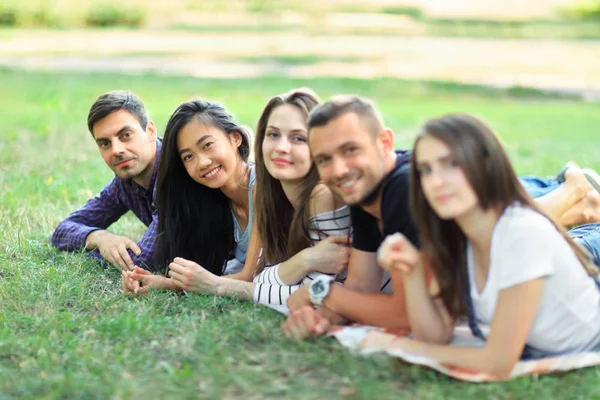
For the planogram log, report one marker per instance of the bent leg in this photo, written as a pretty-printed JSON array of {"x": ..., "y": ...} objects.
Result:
[
  {"x": 586, "y": 211},
  {"x": 550, "y": 195}
]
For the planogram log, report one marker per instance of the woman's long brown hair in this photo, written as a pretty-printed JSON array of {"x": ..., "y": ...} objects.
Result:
[
  {"x": 284, "y": 231},
  {"x": 479, "y": 153}
]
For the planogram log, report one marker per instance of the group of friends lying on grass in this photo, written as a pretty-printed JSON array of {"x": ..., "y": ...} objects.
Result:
[{"x": 330, "y": 224}]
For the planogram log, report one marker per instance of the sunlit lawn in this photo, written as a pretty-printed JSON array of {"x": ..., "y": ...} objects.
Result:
[{"x": 67, "y": 332}]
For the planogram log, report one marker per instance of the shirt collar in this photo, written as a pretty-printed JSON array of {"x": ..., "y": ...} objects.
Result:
[{"x": 149, "y": 192}]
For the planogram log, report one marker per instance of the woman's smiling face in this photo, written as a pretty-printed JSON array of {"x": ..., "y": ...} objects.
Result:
[
  {"x": 209, "y": 155},
  {"x": 285, "y": 149}
]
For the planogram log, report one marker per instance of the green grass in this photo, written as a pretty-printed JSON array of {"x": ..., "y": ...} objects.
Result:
[
  {"x": 67, "y": 332},
  {"x": 413, "y": 12},
  {"x": 107, "y": 15}
]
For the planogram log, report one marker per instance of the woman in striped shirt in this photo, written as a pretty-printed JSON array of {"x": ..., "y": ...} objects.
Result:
[{"x": 303, "y": 228}]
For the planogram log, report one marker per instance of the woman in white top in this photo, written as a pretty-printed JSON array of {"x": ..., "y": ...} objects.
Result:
[{"x": 498, "y": 259}]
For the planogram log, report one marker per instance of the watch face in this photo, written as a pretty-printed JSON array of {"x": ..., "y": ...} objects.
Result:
[{"x": 318, "y": 287}]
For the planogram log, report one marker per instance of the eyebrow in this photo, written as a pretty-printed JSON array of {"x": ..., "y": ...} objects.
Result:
[
  {"x": 443, "y": 158},
  {"x": 292, "y": 130},
  {"x": 198, "y": 143},
  {"x": 125, "y": 127}
]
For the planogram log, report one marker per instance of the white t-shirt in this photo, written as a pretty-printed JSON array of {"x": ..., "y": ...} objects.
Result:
[{"x": 526, "y": 246}]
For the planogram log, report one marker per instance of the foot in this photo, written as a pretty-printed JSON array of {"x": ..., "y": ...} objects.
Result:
[
  {"x": 592, "y": 177},
  {"x": 577, "y": 182},
  {"x": 560, "y": 177},
  {"x": 587, "y": 211}
]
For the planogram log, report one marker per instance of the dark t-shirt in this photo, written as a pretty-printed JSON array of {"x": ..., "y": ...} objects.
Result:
[{"x": 395, "y": 210}]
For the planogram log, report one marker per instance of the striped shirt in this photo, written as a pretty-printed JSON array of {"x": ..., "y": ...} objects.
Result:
[
  {"x": 270, "y": 291},
  {"x": 101, "y": 211}
]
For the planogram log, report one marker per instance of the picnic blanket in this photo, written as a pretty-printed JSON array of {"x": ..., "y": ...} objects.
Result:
[{"x": 368, "y": 340}]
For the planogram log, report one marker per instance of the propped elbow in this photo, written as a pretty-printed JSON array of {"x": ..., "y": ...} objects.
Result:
[
  {"x": 398, "y": 322},
  {"x": 56, "y": 241},
  {"x": 431, "y": 336},
  {"x": 499, "y": 369},
  {"x": 501, "y": 373}
]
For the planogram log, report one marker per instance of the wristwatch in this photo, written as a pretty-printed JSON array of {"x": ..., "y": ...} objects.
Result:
[{"x": 319, "y": 289}]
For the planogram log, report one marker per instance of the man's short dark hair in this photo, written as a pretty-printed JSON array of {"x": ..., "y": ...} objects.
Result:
[
  {"x": 117, "y": 100},
  {"x": 342, "y": 104}
]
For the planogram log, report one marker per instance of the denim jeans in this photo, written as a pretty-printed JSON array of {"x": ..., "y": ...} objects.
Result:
[
  {"x": 588, "y": 236},
  {"x": 537, "y": 187}
]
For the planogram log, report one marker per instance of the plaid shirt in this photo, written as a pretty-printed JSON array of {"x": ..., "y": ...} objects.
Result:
[{"x": 118, "y": 197}]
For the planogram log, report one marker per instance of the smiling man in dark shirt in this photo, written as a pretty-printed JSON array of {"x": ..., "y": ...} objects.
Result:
[
  {"x": 355, "y": 156},
  {"x": 128, "y": 143}
]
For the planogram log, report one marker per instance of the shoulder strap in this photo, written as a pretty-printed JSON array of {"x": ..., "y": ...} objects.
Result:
[{"x": 473, "y": 325}]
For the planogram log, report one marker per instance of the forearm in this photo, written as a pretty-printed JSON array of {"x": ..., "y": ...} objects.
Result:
[
  {"x": 90, "y": 240},
  {"x": 387, "y": 311},
  {"x": 426, "y": 321},
  {"x": 71, "y": 236},
  {"x": 160, "y": 282},
  {"x": 252, "y": 259},
  {"x": 169, "y": 284},
  {"x": 480, "y": 359},
  {"x": 292, "y": 271},
  {"x": 98, "y": 213},
  {"x": 227, "y": 287},
  {"x": 243, "y": 275}
]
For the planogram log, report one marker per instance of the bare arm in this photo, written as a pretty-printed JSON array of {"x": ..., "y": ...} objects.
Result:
[
  {"x": 329, "y": 256},
  {"x": 359, "y": 299},
  {"x": 342, "y": 304},
  {"x": 252, "y": 257},
  {"x": 515, "y": 312},
  {"x": 385, "y": 310},
  {"x": 292, "y": 271},
  {"x": 227, "y": 287},
  {"x": 427, "y": 315},
  {"x": 428, "y": 318},
  {"x": 141, "y": 281}
]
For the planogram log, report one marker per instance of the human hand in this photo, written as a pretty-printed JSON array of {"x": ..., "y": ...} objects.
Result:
[
  {"x": 329, "y": 256},
  {"x": 128, "y": 285},
  {"x": 113, "y": 248},
  {"x": 144, "y": 281},
  {"x": 305, "y": 322},
  {"x": 188, "y": 275},
  {"x": 300, "y": 298},
  {"x": 397, "y": 252}
]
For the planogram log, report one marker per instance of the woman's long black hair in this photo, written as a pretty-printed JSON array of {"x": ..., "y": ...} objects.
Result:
[{"x": 194, "y": 221}]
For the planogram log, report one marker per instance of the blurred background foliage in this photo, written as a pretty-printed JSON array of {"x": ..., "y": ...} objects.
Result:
[{"x": 511, "y": 18}]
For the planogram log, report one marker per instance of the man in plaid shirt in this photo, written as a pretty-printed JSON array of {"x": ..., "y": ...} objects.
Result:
[{"x": 128, "y": 143}]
